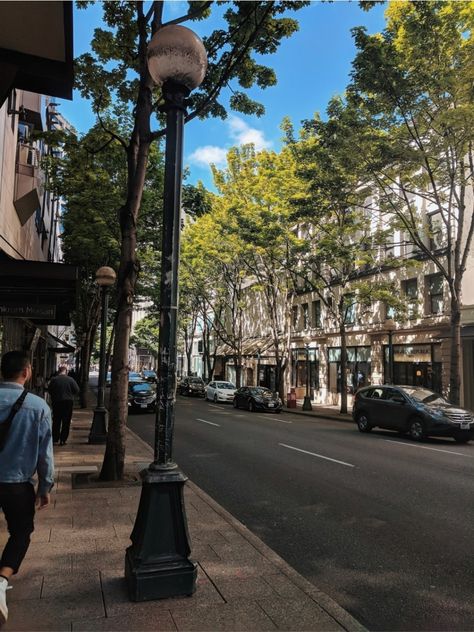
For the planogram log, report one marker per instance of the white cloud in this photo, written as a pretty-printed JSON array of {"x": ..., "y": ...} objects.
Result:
[
  {"x": 240, "y": 134},
  {"x": 209, "y": 154},
  {"x": 243, "y": 134}
]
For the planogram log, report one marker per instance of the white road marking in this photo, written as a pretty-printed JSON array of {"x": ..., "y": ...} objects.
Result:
[
  {"x": 425, "y": 447},
  {"x": 211, "y": 423},
  {"x": 215, "y": 406},
  {"x": 320, "y": 456},
  {"x": 282, "y": 421}
]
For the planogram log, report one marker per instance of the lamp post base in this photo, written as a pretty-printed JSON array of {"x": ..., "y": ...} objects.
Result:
[
  {"x": 98, "y": 431},
  {"x": 307, "y": 403},
  {"x": 156, "y": 563}
]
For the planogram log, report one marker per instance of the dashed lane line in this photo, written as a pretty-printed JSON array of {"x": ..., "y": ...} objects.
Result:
[
  {"x": 319, "y": 456},
  {"x": 425, "y": 447},
  {"x": 211, "y": 423}
]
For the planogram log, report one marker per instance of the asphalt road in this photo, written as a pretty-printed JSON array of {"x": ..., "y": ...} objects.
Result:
[{"x": 383, "y": 525}]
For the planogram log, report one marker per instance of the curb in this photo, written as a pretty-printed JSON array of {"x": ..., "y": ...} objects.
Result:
[
  {"x": 331, "y": 416},
  {"x": 324, "y": 601}
]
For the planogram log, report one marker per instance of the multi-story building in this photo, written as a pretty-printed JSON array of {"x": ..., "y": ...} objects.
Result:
[
  {"x": 36, "y": 293},
  {"x": 420, "y": 339}
]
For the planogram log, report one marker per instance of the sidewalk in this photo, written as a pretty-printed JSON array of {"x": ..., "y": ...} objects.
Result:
[
  {"x": 320, "y": 411},
  {"x": 72, "y": 576}
]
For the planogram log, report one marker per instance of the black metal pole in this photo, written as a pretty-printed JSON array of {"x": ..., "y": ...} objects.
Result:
[
  {"x": 98, "y": 431},
  {"x": 307, "y": 399},
  {"x": 258, "y": 368},
  {"x": 103, "y": 345},
  {"x": 390, "y": 357},
  {"x": 157, "y": 564}
]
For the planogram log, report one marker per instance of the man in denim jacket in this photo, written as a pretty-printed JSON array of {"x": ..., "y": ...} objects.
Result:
[{"x": 28, "y": 450}]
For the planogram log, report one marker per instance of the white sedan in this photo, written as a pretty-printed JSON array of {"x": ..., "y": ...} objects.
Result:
[{"x": 220, "y": 391}]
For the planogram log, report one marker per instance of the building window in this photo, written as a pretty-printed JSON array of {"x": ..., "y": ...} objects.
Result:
[
  {"x": 435, "y": 224},
  {"x": 390, "y": 312},
  {"x": 435, "y": 293},
  {"x": 294, "y": 316},
  {"x": 349, "y": 309},
  {"x": 316, "y": 313},
  {"x": 306, "y": 323},
  {"x": 410, "y": 291}
]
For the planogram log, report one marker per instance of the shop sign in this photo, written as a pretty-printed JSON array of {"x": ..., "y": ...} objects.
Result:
[
  {"x": 412, "y": 353},
  {"x": 20, "y": 310}
]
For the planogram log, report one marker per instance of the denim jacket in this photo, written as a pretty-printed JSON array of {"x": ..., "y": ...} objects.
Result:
[{"x": 29, "y": 447}]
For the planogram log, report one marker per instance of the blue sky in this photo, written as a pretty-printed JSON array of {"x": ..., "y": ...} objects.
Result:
[{"x": 311, "y": 67}]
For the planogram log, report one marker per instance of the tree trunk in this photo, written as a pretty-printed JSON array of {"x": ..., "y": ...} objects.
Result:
[
  {"x": 86, "y": 352},
  {"x": 455, "y": 365},
  {"x": 342, "y": 331}
]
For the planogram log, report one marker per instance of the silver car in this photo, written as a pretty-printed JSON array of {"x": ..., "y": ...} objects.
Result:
[{"x": 218, "y": 391}]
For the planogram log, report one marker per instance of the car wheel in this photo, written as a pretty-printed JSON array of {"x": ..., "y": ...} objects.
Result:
[
  {"x": 251, "y": 406},
  {"x": 462, "y": 437},
  {"x": 215, "y": 398},
  {"x": 416, "y": 429},
  {"x": 363, "y": 422},
  {"x": 234, "y": 403}
]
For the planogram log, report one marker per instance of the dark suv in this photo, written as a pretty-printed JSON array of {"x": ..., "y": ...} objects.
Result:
[
  {"x": 192, "y": 386},
  {"x": 411, "y": 409}
]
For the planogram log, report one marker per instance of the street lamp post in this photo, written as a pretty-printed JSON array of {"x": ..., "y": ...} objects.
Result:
[
  {"x": 390, "y": 324},
  {"x": 105, "y": 278},
  {"x": 307, "y": 398},
  {"x": 258, "y": 366},
  {"x": 156, "y": 563}
]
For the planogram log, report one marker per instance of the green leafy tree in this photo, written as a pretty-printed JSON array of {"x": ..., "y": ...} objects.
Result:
[
  {"x": 116, "y": 71},
  {"x": 256, "y": 190},
  {"x": 412, "y": 89},
  {"x": 145, "y": 334}
]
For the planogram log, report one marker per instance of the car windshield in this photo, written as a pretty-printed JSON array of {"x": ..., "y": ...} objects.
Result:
[
  {"x": 149, "y": 373},
  {"x": 195, "y": 380},
  {"x": 133, "y": 376},
  {"x": 143, "y": 386},
  {"x": 425, "y": 396},
  {"x": 228, "y": 385},
  {"x": 261, "y": 392}
]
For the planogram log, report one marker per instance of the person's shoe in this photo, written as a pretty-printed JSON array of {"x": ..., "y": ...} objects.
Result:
[{"x": 3, "y": 600}]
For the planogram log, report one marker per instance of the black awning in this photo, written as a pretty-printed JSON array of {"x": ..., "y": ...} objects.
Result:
[
  {"x": 45, "y": 293},
  {"x": 56, "y": 345},
  {"x": 36, "y": 47}
]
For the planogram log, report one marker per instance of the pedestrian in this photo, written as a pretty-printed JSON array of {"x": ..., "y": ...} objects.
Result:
[
  {"x": 62, "y": 389},
  {"x": 25, "y": 448}
]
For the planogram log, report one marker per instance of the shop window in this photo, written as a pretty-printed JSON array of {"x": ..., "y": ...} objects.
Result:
[
  {"x": 316, "y": 313},
  {"x": 306, "y": 323},
  {"x": 410, "y": 291},
  {"x": 434, "y": 284}
]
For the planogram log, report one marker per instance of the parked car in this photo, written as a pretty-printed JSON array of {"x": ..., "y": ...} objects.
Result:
[
  {"x": 108, "y": 378},
  {"x": 141, "y": 396},
  {"x": 149, "y": 376},
  {"x": 411, "y": 409},
  {"x": 217, "y": 391},
  {"x": 257, "y": 398},
  {"x": 192, "y": 386},
  {"x": 133, "y": 376}
]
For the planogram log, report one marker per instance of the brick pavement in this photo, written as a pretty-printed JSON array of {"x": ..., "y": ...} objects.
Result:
[{"x": 72, "y": 577}]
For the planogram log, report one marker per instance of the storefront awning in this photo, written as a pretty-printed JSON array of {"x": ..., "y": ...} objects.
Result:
[
  {"x": 250, "y": 347},
  {"x": 44, "y": 293},
  {"x": 36, "y": 48},
  {"x": 56, "y": 345}
]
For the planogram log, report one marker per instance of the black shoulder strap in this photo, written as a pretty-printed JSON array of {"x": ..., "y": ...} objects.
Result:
[{"x": 6, "y": 425}]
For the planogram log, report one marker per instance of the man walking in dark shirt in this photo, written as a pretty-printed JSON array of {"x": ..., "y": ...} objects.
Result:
[{"x": 62, "y": 389}]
